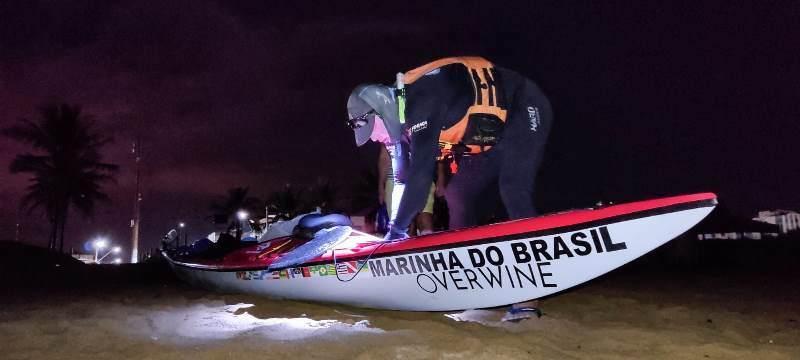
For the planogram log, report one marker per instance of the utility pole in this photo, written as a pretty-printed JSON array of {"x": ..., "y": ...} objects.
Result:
[
  {"x": 19, "y": 236},
  {"x": 136, "y": 151}
]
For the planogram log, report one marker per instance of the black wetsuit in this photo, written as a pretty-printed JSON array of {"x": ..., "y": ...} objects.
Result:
[{"x": 440, "y": 99}]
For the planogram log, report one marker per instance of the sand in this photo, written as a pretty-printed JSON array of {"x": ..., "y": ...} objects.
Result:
[
  {"x": 636, "y": 312},
  {"x": 600, "y": 321}
]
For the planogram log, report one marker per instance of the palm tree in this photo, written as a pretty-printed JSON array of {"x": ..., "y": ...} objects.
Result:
[
  {"x": 286, "y": 204},
  {"x": 236, "y": 199},
  {"x": 324, "y": 194},
  {"x": 67, "y": 169}
]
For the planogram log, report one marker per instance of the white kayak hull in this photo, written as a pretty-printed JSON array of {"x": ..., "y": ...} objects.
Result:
[{"x": 506, "y": 270}]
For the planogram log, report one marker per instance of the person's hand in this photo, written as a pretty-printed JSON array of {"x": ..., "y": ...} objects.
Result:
[
  {"x": 395, "y": 234},
  {"x": 382, "y": 219}
]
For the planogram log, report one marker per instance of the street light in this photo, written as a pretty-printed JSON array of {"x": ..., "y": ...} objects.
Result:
[
  {"x": 100, "y": 244},
  {"x": 242, "y": 216},
  {"x": 181, "y": 226}
]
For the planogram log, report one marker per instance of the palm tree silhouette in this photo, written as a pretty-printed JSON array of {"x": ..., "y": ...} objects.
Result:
[
  {"x": 286, "y": 204},
  {"x": 237, "y": 199},
  {"x": 67, "y": 168},
  {"x": 323, "y": 194}
]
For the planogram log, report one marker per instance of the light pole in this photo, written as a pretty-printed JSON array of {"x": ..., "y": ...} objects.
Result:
[
  {"x": 181, "y": 230},
  {"x": 137, "y": 204},
  {"x": 242, "y": 216},
  {"x": 98, "y": 244}
]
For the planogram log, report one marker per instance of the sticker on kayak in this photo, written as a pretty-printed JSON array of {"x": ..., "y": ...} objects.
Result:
[{"x": 345, "y": 267}]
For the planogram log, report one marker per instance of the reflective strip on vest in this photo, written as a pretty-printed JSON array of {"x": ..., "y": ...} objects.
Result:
[{"x": 481, "y": 73}]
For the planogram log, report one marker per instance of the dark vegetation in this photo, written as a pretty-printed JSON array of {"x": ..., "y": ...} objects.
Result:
[
  {"x": 31, "y": 270},
  {"x": 66, "y": 166}
]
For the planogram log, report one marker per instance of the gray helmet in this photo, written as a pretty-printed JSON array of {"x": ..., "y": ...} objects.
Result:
[{"x": 364, "y": 103}]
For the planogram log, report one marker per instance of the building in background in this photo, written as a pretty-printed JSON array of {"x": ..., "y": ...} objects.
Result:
[
  {"x": 786, "y": 220},
  {"x": 85, "y": 258}
]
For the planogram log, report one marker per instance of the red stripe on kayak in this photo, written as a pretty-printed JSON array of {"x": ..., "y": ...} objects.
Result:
[
  {"x": 521, "y": 226},
  {"x": 246, "y": 258}
]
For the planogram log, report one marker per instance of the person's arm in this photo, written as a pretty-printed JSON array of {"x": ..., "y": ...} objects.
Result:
[
  {"x": 429, "y": 102},
  {"x": 383, "y": 164},
  {"x": 417, "y": 176}
]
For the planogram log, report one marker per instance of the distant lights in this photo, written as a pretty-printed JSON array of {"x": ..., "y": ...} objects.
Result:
[
  {"x": 117, "y": 261},
  {"x": 100, "y": 243},
  {"x": 242, "y": 215}
]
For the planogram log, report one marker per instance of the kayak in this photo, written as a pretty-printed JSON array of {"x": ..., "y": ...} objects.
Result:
[{"x": 480, "y": 267}]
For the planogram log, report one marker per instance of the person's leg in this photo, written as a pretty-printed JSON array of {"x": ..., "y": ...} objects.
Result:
[
  {"x": 425, "y": 217},
  {"x": 412, "y": 227},
  {"x": 517, "y": 184},
  {"x": 441, "y": 214},
  {"x": 465, "y": 190},
  {"x": 388, "y": 189},
  {"x": 521, "y": 150},
  {"x": 425, "y": 223},
  {"x": 528, "y": 127}
]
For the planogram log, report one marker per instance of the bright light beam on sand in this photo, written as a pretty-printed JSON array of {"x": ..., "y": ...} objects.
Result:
[{"x": 202, "y": 322}]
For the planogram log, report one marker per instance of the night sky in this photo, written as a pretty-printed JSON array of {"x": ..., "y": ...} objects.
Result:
[{"x": 650, "y": 99}]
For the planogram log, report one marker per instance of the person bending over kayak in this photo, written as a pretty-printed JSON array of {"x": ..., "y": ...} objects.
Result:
[
  {"x": 390, "y": 183},
  {"x": 494, "y": 121}
]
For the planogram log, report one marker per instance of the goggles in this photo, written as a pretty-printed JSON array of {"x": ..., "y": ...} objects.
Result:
[{"x": 361, "y": 120}]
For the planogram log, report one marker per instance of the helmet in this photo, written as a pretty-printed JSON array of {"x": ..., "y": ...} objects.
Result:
[{"x": 366, "y": 101}]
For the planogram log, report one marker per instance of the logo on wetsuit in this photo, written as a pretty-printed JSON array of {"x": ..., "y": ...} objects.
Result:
[
  {"x": 533, "y": 117},
  {"x": 419, "y": 127}
]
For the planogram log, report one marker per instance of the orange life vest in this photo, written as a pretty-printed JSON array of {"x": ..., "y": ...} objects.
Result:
[{"x": 486, "y": 104}]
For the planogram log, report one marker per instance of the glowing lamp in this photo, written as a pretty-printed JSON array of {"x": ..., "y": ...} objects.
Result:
[{"x": 100, "y": 243}]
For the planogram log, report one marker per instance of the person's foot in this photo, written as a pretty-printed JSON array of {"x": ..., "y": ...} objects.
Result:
[{"x": 517, "y": 314}]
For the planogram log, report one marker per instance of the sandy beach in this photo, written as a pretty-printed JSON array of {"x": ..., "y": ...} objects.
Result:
[{"x": 643, "y": 310}]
